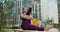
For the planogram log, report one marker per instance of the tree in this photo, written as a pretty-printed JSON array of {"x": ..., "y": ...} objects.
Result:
[
  {"x": 1, "y": 13},
  {"x": 7, "y": 8},
  {"x": 1, "y": 6}
]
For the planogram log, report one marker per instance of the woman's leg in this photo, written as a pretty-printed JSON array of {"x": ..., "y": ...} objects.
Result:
[{"x": 31, "y": 27}]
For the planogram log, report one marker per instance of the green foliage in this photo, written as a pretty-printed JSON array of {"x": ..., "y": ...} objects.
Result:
[
  {"x": 7, "y": 31},
  {"x": 7, "y": 8},
  {"x": 1, "y": 6},
  {"x": 49, "y": 22},
  {"x": 9, "y": 4}
]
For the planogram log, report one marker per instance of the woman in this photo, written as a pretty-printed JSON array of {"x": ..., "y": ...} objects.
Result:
[{"x": 26, "y": 19}]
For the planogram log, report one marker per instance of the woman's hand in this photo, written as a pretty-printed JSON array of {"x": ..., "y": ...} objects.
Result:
[{"x": 32, "y": 4}]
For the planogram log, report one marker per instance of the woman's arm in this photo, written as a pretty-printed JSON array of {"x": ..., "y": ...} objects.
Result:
[
  {"x": 29, "y": 17},
  {"x": 32, "y": 4},
  {"x": 30, "y": 8},
  {"x": 26, "y": 17}
]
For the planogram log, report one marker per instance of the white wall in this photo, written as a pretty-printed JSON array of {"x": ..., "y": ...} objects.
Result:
[
  {"x": 44, "y": 11},
  {"x": 53, "y": 10},
  {"x": 49, "y": 10}
]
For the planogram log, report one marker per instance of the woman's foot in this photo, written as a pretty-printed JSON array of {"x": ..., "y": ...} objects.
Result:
[{"x": 48, "y": 27}]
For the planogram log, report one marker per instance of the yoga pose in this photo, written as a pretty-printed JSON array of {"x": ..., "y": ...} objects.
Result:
[{"x": 26, "y": 19}]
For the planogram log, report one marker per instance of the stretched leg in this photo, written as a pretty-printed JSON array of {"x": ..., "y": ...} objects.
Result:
[{"x": 31, "y": 27}]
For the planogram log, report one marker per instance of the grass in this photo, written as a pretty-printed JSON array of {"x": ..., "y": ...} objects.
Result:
[{"x": 6, "y": 31}]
